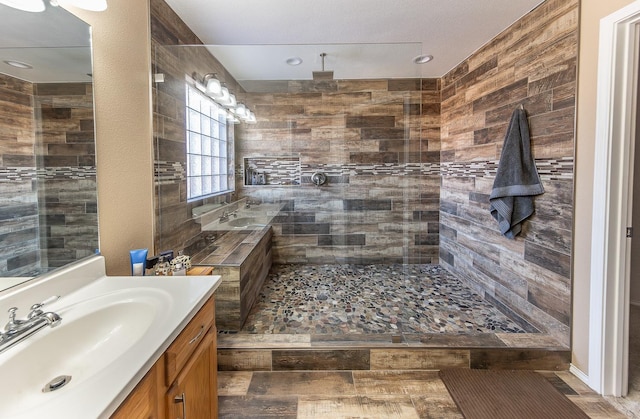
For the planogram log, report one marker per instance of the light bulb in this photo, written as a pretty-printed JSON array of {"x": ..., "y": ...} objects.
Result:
[
  {"x": 241, "y": 110},
  {"x": 214, "y": 88}
]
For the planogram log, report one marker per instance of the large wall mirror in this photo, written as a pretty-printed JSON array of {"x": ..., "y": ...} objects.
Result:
[{"x": 48, "y": 199}]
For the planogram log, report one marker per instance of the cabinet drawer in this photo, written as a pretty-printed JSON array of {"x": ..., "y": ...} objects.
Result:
[{"x": 187, "y": 341}]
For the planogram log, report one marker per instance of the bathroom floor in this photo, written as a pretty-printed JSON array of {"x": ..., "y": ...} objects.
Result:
[
  {"x": 365, "y": 394},
  {"x": 371, "y": 299}
]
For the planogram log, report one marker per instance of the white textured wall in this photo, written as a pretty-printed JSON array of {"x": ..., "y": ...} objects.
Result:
[
  {"x": 124, "y": 146},
  {"x": 591, "y": 13}
]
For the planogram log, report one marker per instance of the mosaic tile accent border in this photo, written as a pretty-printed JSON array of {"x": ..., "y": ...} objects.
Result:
[
  {"x": 548, "y": 169},
  {"x": 388, "y": 169},
  {"x": 168, "y": 172},
  {"x": 81, "y": 172},
  {"x": 17, "y": 174},
  {"x": 23, "y": 174},
  {"x": 287, "y": 171}
]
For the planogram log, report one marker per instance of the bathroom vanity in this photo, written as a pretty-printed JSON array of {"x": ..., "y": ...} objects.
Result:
[
  {"x": 126, "y": 347},
  {"x": 183, "y": 381}
]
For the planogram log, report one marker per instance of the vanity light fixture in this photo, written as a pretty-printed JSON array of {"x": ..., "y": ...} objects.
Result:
[
  {"x": 422, "y": 59},
  {"x": 26, "y": 5},
  {"x": 213, "y": 87},
  {"x": 229, "y": 107},
  {"x": 18, "y": 64}
]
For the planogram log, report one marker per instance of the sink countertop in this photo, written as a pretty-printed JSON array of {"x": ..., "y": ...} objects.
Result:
[
  {"x": 231, "y": 248},
  {"x": 100, "y": 394}
]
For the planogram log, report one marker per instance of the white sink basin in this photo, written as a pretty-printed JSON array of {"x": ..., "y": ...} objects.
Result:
[
  {"x": 243, "y": 222},
  {"x": 91, "y": 335},
  {"x": 113, "y": 329}
]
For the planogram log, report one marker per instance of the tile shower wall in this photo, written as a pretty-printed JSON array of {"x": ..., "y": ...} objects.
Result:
[
  {"x": 176, "y": 54},
  {"x": 378, "y": 143},
  {"x": 376, "y": 207},
  {"x": 66, "y": 176},
  {"x": 532, "y": 63},
  {"x": 48, "y": 211},
  {"x": 18, "y": 195},
  {"x": 381, "y": 203}
]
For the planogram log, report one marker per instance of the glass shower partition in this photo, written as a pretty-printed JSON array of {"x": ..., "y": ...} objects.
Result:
[{"x": 344, "y": 166}]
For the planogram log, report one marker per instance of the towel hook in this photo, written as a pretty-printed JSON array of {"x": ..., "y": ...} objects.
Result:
[{"x": 521, "y": 107}]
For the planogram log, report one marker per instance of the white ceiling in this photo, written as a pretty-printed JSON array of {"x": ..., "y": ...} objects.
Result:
[
  {"x": 56, "y": 43},
  {"x": 253, "y": 38}
]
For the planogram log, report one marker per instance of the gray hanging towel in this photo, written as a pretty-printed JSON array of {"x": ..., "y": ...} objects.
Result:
[{"x": 517, "y": 180}]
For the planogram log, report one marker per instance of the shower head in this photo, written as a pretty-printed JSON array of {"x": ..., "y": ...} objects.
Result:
[{"x": 323, "y": 75}]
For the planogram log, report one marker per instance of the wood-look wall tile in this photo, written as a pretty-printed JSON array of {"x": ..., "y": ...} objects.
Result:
[
  {"x": 511, "y": 71},
  {"x": 301, "y": 360},
  {"x": 244, "y": 360},
  {"x": 422, "y": 359}
]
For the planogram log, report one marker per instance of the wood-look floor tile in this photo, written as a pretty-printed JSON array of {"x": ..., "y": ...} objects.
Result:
[
  {"x": 301, "y": 383},
  {"x": 436, "y": 406},
  {"x": 387, "y": 407},
  {"x": 257, "y": 407},
  {"x": 529, "y": 340},
  {"x": 596, "y": 407},
  {"x": 558, "y": 383},
  {"x": 233, "y": 383},
  {"x": 575, "y": 383},
  {"x": 398, "y": 382}
]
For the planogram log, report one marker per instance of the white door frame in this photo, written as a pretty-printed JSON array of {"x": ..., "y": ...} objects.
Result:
[{"x": 613, "y": 176}]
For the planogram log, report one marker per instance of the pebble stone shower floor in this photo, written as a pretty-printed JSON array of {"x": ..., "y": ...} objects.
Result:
[{"x": 370, "y": 299}]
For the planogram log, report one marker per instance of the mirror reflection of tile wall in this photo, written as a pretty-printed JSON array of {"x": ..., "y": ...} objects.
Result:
[{"x": 48, "y": 202}]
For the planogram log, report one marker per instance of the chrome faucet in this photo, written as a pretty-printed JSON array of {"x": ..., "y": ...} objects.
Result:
[
  {"x": 225, "y": 215},
  {"x": 17, "y": 330}
]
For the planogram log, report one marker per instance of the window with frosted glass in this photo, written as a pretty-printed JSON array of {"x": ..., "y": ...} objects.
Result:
[{"x": 209, "y": 148}]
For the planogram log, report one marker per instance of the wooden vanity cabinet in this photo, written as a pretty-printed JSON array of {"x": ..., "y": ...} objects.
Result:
[
  {"x": 190, "y": 396},
  {"x": 183, "y": 382},
  {"x": 145, "y": 401}
]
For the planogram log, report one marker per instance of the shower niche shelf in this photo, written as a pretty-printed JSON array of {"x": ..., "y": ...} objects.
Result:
[{"x": 271, "y": 171}]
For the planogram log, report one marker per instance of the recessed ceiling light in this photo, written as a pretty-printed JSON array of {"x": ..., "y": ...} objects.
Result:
[
  {"x": 294, "y": 61},
  {"x": 18, "y": 64},
  {"x": 422, "y": 59}
]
